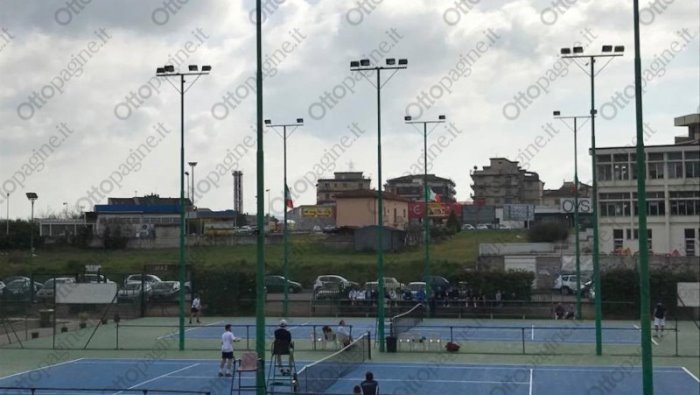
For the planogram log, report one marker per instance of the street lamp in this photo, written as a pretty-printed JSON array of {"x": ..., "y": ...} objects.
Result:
[
  {"x": 557, "y": 115},
  {"x": 363, "y": 66},
  {"x": 167, "y": 72},
  {"x": 576, "y": 53},
  {"x": 287, "y": 198},
  {"x": 32, "y": 196},
  {"x": 426, "y": 220}
]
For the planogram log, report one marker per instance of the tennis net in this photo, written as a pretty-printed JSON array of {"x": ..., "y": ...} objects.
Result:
[
  {"x": 404, "y": 322},
  {"x": 319, "y": 376}
]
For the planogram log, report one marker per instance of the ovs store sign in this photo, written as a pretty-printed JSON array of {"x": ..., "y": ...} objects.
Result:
[{"x": 568, "y": 205}]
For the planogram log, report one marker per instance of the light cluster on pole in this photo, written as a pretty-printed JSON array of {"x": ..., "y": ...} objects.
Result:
[
  {"x": 268, "y": 123},
  {"x": 166, "y": 72},
  {"x": 610, "y": 52},
  {"x": 426, "y": 219},
  {"x": 393, "y": 66}
]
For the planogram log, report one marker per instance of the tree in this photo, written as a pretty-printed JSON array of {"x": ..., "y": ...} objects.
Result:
[{"x": 452, "y": 223}]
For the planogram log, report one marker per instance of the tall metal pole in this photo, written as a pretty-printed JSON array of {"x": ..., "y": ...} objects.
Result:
[
  {"x": 380, "y": 221},
  {"x": 260, "y": 272},
  {"x": 647, "y": 368},
  {"x": 596, "y": 248},
  {"x": 285, "y": 305},
  {"x": 31, "y": 232},
  {"x": 181, "y": 266},
  {"x": 426, "y": 219},
  {"x": 576, "y": 224}
]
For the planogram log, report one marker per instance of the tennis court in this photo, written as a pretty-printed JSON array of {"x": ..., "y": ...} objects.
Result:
[{"x": 198, "y": 376}]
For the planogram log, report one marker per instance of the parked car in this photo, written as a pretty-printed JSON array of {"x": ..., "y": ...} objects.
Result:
[
  {"x": 482, "y": 227},
  {"x": 503, "y": 226},
  {"x": 46, "y": 294},
  {"x": 566, "y": 284},
  {"x": 147, "y": 278},
  {"x": 132, "y": 292},
  {"x": 332, "y": 286},
  {"x": 415, "y": 287},
  {"x": 20, "y": 288},
  {"x": 275, "y": 283},
  {"x": 165, "y": 291},
  {"x": 390, "y": 284},
  {"x": 468, "y": 227},
  {"x": 437, "y": 283},
  {"x": 93, "y": 278}
]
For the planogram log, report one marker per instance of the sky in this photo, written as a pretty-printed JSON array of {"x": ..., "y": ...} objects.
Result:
[{"x": 85, "y": 118}]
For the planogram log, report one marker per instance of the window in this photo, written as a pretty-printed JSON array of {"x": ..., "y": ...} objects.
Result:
[
  {"x": 690, "y": 242},
  {"x": 656, "y": 204},
  {"x": 656, "y": 170},
  {"x": 692, "y": 164},
  {"x": 685, "y": 203},
  {"x": 675, "y": 169},
  {"x": 636, "y": 237},
  {"x": 614, "y": 205},
  {"x": 604, "y": 172},
  {"x": 617, "y": 239},
  {"x": 621, "y": 171}
]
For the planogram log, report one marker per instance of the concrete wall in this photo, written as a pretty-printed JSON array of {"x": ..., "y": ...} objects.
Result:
[{"x": 515, "y": 248}]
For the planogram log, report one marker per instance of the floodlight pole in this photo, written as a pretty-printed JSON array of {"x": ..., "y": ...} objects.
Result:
[
  {"x": 285, "y": 233},
  {"x": 594, "y": 190},
  {"x": 260, "y": 188},
  {"x": 576, "y": 210},
  {"x": 362, "y": 66},
  {"x": 7, "y": 224},
  {"x": 647, "y": 366},
  {"x": 426, "y": 219},
  {"x": 167, "y": 72}
]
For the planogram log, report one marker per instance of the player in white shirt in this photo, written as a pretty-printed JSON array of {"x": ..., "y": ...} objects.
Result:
[
  {"x": 196, "y": 308},
  {"x": 227, "y": 340}
]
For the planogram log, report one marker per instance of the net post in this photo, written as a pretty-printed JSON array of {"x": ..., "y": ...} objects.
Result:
[
  {"x": 116, "y": 338},
  {"x": 676, "y": 330},
  {"x": 369, "y": 344},
  {"x": 313, "y": 337},
  {"x": 522, "y": 331}
]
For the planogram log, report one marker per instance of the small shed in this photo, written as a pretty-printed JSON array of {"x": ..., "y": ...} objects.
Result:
[{"x": 365, "y": 238}]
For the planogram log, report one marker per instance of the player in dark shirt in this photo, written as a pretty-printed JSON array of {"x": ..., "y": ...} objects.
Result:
[
  {"x": 659, "y": 319},
  {"x": 283, "y": 344},
  {"x": 369, "y": 386}
]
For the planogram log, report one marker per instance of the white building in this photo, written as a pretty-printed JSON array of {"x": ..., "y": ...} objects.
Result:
[{"x": 672, "y": 193}]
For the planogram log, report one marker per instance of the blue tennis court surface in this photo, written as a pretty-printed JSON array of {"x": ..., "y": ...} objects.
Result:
[
  {"x": 567, "y": 332},
  {"x": 106, "y": 376}
]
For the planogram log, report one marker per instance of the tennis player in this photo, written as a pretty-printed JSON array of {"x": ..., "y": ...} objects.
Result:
[
  {"x": 369, "y": 386},
  {"x": 659, "y": 319},
  {"x": 196, "y": 307},
  {"x": 227, "y": 339}
]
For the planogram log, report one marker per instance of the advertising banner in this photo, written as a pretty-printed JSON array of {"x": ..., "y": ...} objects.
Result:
[
  {"x": 435, "y": 209},
  {"x": 317, "y": 212}
]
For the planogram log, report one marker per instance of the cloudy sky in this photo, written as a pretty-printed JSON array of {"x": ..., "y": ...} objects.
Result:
[{"x": 84, "y": 118}]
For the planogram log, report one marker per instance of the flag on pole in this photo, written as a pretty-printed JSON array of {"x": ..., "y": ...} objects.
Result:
[
  {"x": 288, "y": 198},
  {"x": 432, "y": 196}
]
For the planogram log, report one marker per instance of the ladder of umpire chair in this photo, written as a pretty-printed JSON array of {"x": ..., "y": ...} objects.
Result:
[{"x": 276, "y": 377}]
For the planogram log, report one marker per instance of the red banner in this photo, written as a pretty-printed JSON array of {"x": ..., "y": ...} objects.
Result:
[{"x": 435, "y": 210}]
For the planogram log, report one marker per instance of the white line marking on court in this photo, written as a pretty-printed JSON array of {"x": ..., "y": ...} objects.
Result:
[
  {"x": 691, "y": 375},
  {"x": 171, "y": 334},
  {"x": 530, "y": 381},
  {"x": 42, "y": 368},
  {"x": 533, "y": 332},
  {"x": 652, "y": 339},
  {"x": 158, "y": 378}
]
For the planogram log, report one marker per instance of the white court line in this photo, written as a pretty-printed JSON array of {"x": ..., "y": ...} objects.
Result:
[
  {"x": 187, "y": 330},
  {"x": 41, "y": 368},
  {"x": 530, "y": 381},
  {"x": 533, "y": 332},
  {"x": 691, "y": 375},
  {"x": 157, "y": 378},
  {"x": 652, "y": 339}
]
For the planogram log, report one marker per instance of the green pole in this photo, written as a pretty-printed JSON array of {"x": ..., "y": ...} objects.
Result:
[
  {"x": 260, "y": 274},
  {"x": 285, "y": 307},
  {"x": 576, "y": 224},
  {"x": 647, "y": 378},
  {"x": 426, "y": 220},
  {"x": 596, "y": 248},
  {"x": 380, "y": 220},
  {"x": 181, "y": 266}
]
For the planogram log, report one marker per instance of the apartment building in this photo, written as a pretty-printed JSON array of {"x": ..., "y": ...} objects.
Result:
[
  {"x": 411, "y": 187},
  {"x": 328, "y": 188},
  {"x": 672, "y": 193},
  {"x": 504, "y": 182}
]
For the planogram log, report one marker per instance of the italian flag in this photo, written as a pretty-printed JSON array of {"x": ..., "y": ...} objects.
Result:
[
  {"x": 432, "y": 196},
  {"x": 288, "y": 198}
]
